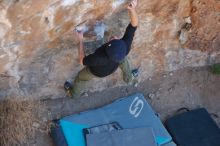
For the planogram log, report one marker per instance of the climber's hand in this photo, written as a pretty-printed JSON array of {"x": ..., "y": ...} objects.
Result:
[
  {"x": 132, "y": 5},
  {"x": 113, "y": 38},
  {"x": 79, "y": 35}
]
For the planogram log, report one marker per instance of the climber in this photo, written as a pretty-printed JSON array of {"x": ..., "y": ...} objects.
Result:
[{"x": 107, "y": 58}]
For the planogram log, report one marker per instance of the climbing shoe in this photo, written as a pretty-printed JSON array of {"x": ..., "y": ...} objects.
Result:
[
  {"x": 135, "y": 72},
  {"x": 68, "y": 88}
]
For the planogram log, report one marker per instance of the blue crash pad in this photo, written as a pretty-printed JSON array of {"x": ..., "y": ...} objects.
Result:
[{"x": 130, "y": 112}]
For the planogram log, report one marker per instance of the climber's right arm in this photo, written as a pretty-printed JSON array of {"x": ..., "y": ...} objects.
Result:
[{"x": 81, "y": 50}]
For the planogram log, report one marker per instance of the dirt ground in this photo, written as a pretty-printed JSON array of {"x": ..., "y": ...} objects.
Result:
[{"x": 166, "y": 93}]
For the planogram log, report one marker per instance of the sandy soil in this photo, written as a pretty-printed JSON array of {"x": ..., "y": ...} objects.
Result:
[{"x": 167, "y": 92}]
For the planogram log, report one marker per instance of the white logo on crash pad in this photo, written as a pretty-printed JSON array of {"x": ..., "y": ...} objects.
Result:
[{"x": 136, "y": 107}]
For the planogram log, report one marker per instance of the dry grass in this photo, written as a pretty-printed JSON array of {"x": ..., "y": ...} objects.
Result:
[{"x": 17, "y": 118}]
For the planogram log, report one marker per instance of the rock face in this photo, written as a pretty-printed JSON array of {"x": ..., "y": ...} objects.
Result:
[{"x": 38, "y": 49}]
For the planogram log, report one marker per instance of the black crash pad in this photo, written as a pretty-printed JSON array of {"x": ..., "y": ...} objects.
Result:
[{"x": 194, "y": 128}]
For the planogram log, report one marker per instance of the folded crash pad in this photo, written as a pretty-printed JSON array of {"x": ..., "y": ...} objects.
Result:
[
  {"x": 130, "y": 112},
  {"x": 194, "y": 128},
  {"x": 125, "y": 137},
  {"x": 102, "y": 128}
]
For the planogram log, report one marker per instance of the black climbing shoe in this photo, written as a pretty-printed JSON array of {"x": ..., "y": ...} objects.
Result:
[
  {"x": 135, "y": 72},
  {"x": 68, "y": 88}
]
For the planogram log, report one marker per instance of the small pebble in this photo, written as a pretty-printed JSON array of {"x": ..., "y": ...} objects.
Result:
[
  {"x": 188, "y": 57},
  {"x": 135, "y": 84},
  {"x": 170, "y": 89},
  {"x": 171, "y": 74},
  {"x": 158, "y": 115},
  {"x": 49, "y": 113},
  {"x": 151, "y": 95},
  {"x": 36, "y": 125},
  {"x": 44, "y": 119},
  {"x": 157, "y": 94},
  {"x": 85, "y": 94}
]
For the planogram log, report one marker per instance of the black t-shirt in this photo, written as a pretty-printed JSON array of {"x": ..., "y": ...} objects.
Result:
[{"x": 99, "y": 63}]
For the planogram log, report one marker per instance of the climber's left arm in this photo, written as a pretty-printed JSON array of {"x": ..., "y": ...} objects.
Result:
[
  {"x": 132, "y": 13},
  {"x": 128, "y": 36},
  {"x": 130, "y": 30}
]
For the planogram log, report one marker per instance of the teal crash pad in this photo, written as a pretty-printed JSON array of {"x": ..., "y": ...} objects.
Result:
[{"x": 130, "y": 112}]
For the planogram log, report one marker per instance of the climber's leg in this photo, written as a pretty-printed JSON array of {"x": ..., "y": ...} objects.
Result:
[
  {"x": 79, "y": 82},
  {"x": 126, "y": 71}
]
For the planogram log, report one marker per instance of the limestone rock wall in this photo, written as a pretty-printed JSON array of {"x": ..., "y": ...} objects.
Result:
[{"x": 38, "y": 49}]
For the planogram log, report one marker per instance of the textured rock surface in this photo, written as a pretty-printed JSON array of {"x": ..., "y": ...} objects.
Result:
[{"x": 38, "y": 50}]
